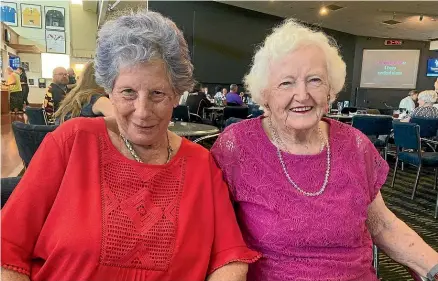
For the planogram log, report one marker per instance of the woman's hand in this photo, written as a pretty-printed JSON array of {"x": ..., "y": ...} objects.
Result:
[
  {"x": 397, "y": 240},
  {"x": 235, "y": 271}
]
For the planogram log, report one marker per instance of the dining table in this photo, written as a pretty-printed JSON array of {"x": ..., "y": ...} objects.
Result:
[{"x": 190, "y": 129}]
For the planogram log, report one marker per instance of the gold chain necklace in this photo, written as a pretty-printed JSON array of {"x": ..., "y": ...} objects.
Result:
[{"x": 137, "y": 158}]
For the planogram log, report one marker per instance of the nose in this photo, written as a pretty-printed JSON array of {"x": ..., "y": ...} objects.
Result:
[
  {"x": 300, "y": 91},
  {"x": 143, "y": 107}
]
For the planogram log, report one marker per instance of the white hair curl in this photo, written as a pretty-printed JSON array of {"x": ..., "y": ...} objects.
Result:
[{"x": 285, "y": 38}]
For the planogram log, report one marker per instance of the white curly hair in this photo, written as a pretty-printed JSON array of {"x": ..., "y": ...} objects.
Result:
[
  {"x": 429, "y": 96},
  {"x": 285, "y": 38}
]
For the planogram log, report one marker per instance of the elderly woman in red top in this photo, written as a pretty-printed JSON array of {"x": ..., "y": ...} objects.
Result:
[{"x": 119, "y": 198}]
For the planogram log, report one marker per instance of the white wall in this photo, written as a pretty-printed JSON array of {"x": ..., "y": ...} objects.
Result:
[{"x": 32, "y": 36}]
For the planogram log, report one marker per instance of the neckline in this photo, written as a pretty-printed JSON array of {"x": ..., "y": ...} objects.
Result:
[
  {"x": 287, "y": 155},
  {"x": 119, "y": 155}
]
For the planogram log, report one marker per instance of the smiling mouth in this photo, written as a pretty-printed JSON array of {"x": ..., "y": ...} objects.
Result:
[
  {"x": 144, "y": 127},
  {"x": 301, "y": 109}
]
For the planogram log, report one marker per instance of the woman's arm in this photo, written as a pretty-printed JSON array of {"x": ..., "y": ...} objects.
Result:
[
  {"x": 397, "y": 240},
  {"x": 103, "y": 106},
  {"x": 10, "y": 275},
  {"x": 235, "y": 271}
]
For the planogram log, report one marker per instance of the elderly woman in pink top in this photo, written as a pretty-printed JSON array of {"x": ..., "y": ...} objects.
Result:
[{"x": 306, "y": 188}]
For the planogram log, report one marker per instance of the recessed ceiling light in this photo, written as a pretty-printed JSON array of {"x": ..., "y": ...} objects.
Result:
[
  {"x": 391, "y": 22},
  {"x": 334, "y": 7},
  {"x": 323, "y": 11}
]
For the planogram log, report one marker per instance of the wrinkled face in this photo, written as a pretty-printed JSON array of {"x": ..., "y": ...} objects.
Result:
[
  {"x": 298, "y": 89},
  {"x": 60, "y": 76},
  {"x": 143, "y": 101},
  {"x": 421, "y": 102}
]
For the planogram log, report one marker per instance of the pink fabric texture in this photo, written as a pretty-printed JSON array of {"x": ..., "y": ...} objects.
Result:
[{"x": 303, "y": 238}]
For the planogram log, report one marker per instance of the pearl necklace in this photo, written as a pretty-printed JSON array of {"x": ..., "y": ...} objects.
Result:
[
  {"x": 279, "y": 142},
  {"x": 136, "y": 157}
]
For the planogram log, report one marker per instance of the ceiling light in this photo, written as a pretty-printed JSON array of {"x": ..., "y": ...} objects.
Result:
[{"x": 323, "y": 11}]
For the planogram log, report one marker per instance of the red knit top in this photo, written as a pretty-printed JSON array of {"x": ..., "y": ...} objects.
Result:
[{"x": 83, "y": 211}]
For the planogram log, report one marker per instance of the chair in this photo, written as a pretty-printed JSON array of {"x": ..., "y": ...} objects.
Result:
[
  {"x": 240, "y": 112},
  {"x": 407, "y": 136},
  {"x": 254, "y": 111},
  {"x": 232, "y": 120},
  {"x": 181, "y": 113},
  {"x": 28, "y": 138},
  {"x": 8, "y": 185},
  {"x": 36, "y": 115},
  {"x": 375, "y": 126},
  {"x": 348, "y": 110},
  {"x": 428, "y": 126}
]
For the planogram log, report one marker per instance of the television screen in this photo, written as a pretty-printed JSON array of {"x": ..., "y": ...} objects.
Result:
[
  {"x": 432, "y": 67},
  {"x": 14, "y": 62},
  {"x": 396, "y": 69}
]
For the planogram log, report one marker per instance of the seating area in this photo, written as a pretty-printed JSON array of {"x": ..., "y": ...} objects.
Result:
[{"x": 182, "y": 140}]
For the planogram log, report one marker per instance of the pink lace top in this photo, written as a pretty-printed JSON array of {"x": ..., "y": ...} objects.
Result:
[{"x": 303, "y": 238}]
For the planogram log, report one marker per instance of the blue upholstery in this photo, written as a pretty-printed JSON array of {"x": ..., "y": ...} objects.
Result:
[
  {"x": 36, "y": 116},
  {"x": 232, "y": 120},
  {"x": 254, "y": 110},
  {"x": 373, "y": 125},
  {"x": 8, "y": 185},
  {"x": 406, "y": 135},
  {"x": 428, "y": 126},
  {"x": 28, "y": 138},
  {"x": 428, "y": 159}
]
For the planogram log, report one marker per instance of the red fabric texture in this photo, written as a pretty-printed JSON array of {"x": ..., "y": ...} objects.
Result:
[{"x": 83, "y": 211}]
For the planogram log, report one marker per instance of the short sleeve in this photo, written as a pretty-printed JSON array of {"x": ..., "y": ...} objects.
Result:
[
  {"x": 228, "y": 245},
  {"x": 376, "y": 167},
  {"x": 87, "y": 109},
  {"x": 26, "y": 210},
  {"x": 226, "y": 154}
]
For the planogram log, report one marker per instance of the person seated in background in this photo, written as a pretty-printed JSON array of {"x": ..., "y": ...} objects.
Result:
[
  {"x": 125, "y": 198},
  {"x": 71, "y": 78},
  {"x": 425, "y": 108},
  {"x": 87, "y": 99},
  {"x": 306, "y": 189},
  {"x": 233, "y": 98},
  {"x": 220, "y": 95},
  {"x": 55, "y": 93},
  {"x": 408, "y": 102},
  {"x": 198, "y": 100}
]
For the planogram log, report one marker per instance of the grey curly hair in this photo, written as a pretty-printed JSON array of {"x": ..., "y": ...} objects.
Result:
[{"x": 140, "y": 37}]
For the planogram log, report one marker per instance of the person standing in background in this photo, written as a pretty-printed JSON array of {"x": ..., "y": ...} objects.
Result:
[
  {"x": 16, "y": 94},
  {"x": 408, "y": 102},
  {"x": 71, "y": 78},
  {"x": 24, "y": 84}
]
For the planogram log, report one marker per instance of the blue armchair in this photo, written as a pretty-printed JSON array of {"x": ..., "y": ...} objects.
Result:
[{"x": 408, "y": 143}]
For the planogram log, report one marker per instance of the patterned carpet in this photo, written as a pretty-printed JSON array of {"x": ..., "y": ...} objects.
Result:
[{"x": 417, "y": 213}]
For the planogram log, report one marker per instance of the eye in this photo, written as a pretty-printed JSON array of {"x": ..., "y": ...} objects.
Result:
[
  {"x": 315, "y": 81},
  {"x": 157, "y": 96},
  {"x": 285, "y": 84},
  {"x": 129, "y": 93}
]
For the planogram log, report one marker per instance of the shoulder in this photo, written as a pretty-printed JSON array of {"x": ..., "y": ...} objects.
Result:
[{"x": 79, "y": 126}]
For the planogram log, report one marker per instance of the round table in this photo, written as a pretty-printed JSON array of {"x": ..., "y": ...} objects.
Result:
[{"x": 187, "y": 129}]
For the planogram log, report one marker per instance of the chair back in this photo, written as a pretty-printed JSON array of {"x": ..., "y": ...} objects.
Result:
[
  {"x": 428, "y": 126},
  {"x": 348, "y": 110},
  {"x": 36, "y": 115},
  {"x": 28, "y": 138},
  {"x": 254, "y": 110},
  {"x": 232, "y": 120},
  {"x": 235, "y": 111},
  {"x": 8, "y": 185},
  {"x": 406, "y": 135},
  {"x": 181, "y": 113},
  {"x": 373, "y": 125}
]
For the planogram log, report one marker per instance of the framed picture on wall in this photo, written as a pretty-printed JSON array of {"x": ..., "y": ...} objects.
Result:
[
  {"x": 55, "y": 41},
  {"x": 31, "y": 15},
  {"x": 54, "y": 18},
  {"x": 9, "y": 13}
]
